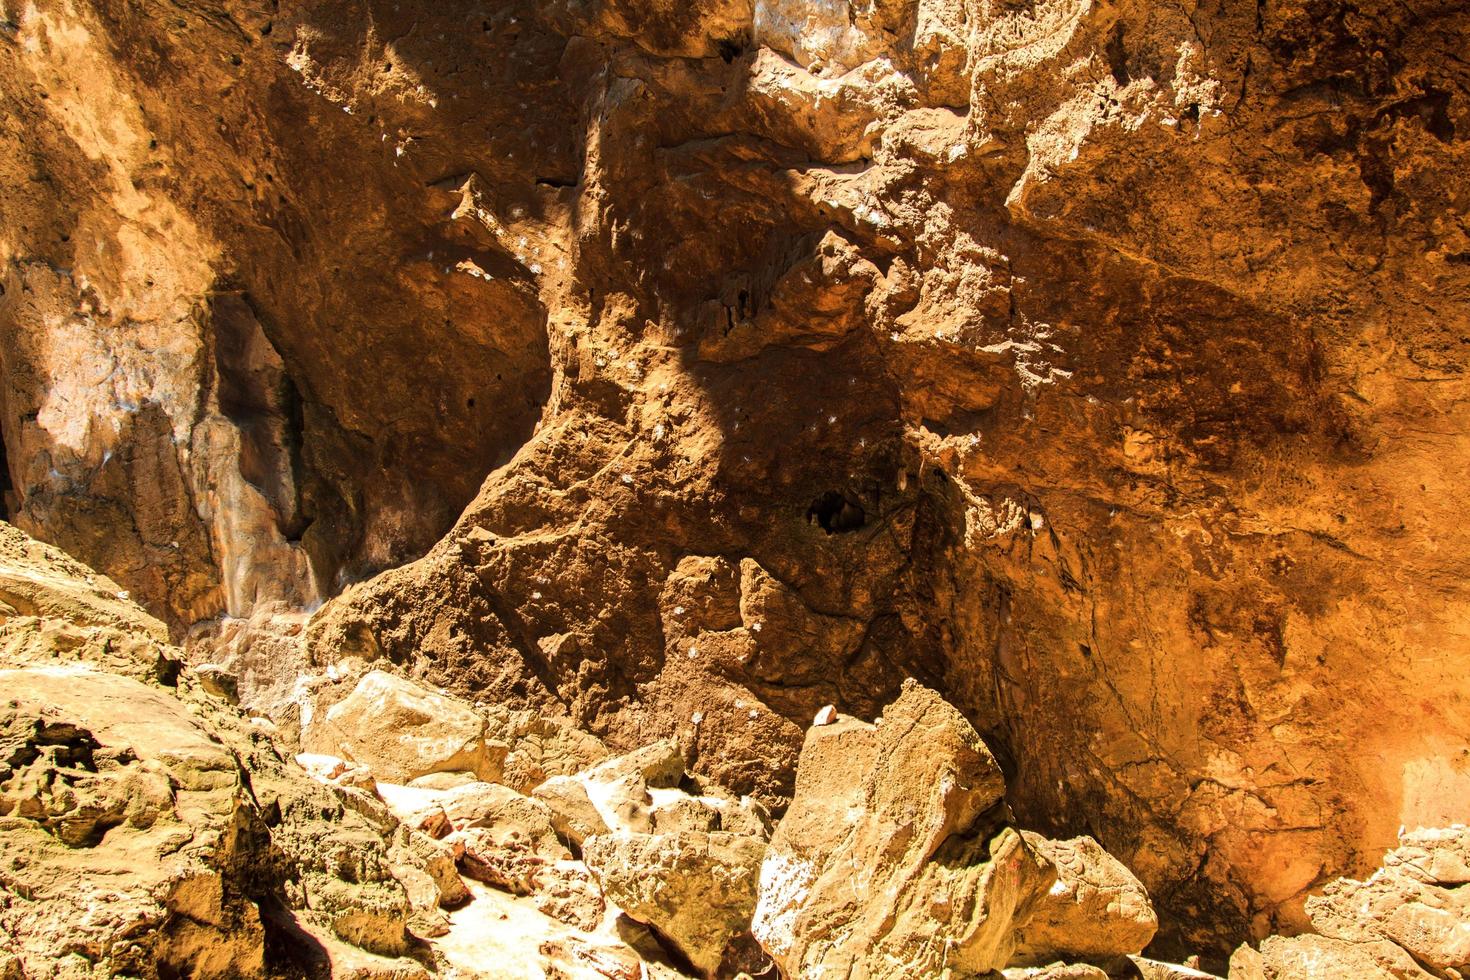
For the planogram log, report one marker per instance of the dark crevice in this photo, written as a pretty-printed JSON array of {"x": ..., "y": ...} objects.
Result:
[
  {"x": 6, "y": 487},
  {"x": 729, "y": 50},
  {"x": 1118, "y": 55},
  {"x": 836, "y": 513}
]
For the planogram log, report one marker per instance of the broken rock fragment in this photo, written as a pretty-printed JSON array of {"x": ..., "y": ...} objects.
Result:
[
  {"x": 698, "y": 890},
  {"x": 403, "y": 731},
  {"x": 1096, "y": 910},
  {"x": 894, "y": 860}
]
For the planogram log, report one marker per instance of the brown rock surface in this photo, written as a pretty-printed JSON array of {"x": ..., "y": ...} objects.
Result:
[
  {"x": 1102, "y": 366},
  {"x": 403, "y": 731},
  {"x": 696, "y": 889},
  {"x": 1095, "y": 911},
  {"x": 894, "y": 860},
  {"x": 1410, "y": 918}
]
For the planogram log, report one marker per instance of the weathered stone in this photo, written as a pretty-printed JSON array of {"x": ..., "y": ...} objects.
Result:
[
  {"x": 1056, "y": 971},
  {"x": 1151, "y": 969},
  {"x": 572, "y": 812},
  {"x": 404, "y": 731},
  {"x": 1095, "y": 911},
  {"x": 147, "y": 825},
  {"x": 1311, "y": 957},
  {"x": 1101, "y": 363},
  {"x": 506, "y": 839},
  {"x": 893, "y": 860},
  {"x": 1415, "y": 900},
  {"x": 696, "y": 889}
]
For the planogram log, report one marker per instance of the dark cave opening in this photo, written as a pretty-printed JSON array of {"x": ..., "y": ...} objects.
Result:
[{"x": 836, "y": 513}]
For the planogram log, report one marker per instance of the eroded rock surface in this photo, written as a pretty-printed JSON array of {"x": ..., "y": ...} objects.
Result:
[
  {"x": 894, "y": 859},
  {"x": 1411, "y": 918},
  {"x": 1096, "y": 910},
  {"x": 1100, "y": 365},
  {"x": 145, "y": 828}
]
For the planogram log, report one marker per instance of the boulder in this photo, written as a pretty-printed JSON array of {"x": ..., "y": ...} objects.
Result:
[
  {"x": 698, "y": 890},
  {"x": 893, "y": 859},
  {"x": 1310, "y": 957},
  {"x": 572, "y": 812},
  {"x": 1150, "y": 969},
  {"x": 541, "y": 747},
  {"x": 505, "y": 839},
  {"x": 403, "y": 731},
  {"x": 1097, "y": 910},
  {"x": 1056, "y": 971},
  {"x": 659, "y": 764}
]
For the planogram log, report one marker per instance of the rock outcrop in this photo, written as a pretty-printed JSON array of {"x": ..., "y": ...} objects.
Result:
[
  {"x": 1410, "y": 919},
  {"x": 147, "y": 828}
]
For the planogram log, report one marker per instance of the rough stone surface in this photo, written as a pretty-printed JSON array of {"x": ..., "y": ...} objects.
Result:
[
  {"x": 1410, "y": 918},
  {"x": 1096, "y": 910},
  {"x": 1100, "y": 365},
  {"x": 893, "y": 860},
  {"x": 145, "y": 829},
  {"x": 403, "y": 731},
  {"x": 696, "y": 889}
]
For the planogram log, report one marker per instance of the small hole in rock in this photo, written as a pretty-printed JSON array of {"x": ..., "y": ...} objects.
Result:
[{"x": 836, "y": 513}]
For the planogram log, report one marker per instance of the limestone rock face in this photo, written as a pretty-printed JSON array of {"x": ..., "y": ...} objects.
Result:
[
  {"x": 1096, "y": 910},
  {"x": 1410, "y": 918},
  {"x": 145, "y": 829},
  {"x": 1323, "y": 958},
  {"x": 1100, "y": 365},
  {"x": 697, "y": 889},
  {"x": 893, "y": 860},
  {"x": 403, "y": 731}
]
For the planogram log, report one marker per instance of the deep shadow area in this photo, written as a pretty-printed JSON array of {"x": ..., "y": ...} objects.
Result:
[{"x": 6, "y": 487}]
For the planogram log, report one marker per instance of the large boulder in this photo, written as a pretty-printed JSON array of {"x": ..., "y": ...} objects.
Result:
[
  {"x": 402, "y": 730},
  {"x": 894, "y": 859},
  {"x": 698, "y": 890},
  {"x": 1096, "y": 911}
]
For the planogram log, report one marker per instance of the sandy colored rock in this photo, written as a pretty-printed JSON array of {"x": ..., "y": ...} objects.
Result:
[
  {"x": 403, "y": 730},
  {"x": 893, "y": 859},
  {"x": 503, "y": 838},
  {"x": 1152, "y": 969},
  {"x": 697, "y": 889},
  {"x": 1323, "y": 958},
  {"x": 1056, "y": 971},
  {"x": 1416, "y": 900},
  {"x": 1095, "y": 911},
  {"x": 572, "y": 812},
  {"x": 147, "y": 826},
  {"x": 1101, "y": 365}
]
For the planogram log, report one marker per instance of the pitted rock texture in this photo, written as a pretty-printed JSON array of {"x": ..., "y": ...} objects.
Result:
[
  {"x": 146, "y": 829},
  {"x": 1101, "y": 365}
]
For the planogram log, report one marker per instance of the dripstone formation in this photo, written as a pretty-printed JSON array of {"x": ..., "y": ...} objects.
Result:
[{"x": 494, "y": 433}]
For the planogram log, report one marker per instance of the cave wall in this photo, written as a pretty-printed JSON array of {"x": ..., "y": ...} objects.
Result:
[{"x": 1101, "y": 364}]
